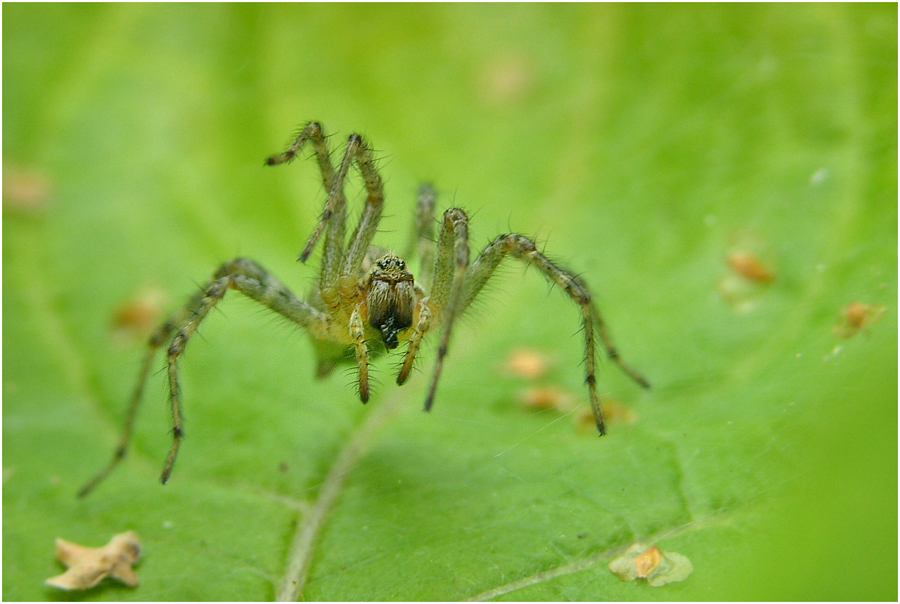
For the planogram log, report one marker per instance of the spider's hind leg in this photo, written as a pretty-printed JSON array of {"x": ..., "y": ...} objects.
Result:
[{"x": 422, "y": 243}]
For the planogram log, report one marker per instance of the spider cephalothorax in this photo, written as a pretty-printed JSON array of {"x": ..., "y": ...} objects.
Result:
[{"x": 366, "y": 297}]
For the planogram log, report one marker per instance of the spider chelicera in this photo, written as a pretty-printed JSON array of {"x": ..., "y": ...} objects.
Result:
[{"x": 367, "y": 300}]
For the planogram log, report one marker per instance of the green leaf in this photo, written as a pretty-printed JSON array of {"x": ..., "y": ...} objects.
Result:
[{"x": 640, "y": 145}]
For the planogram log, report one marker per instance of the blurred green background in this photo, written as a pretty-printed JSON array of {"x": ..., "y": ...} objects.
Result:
[{"x": 641, "y": 145}]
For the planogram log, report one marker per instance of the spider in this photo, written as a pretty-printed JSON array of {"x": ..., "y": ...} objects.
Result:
[{"x": 366, "y": 300}]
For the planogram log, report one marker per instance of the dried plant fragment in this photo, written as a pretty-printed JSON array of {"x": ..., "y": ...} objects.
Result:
[
  {"x": 88, "y": 566},
  {"x": 750, "y": 267},
  {"x": 856, "y": 317},
  {"x": 508, "y": 80},
  {"x": 546, "y": 398},
  {"x": 139, "y": 314},
  {"x": 656, "y": 566},
  {"x": 648, "y": 562},
  {"x": 614, "y": 412},
  {"x": 526, "y": 363},
  {"x": 750, "y": 258},
  {"x": 25, "y": 190}
]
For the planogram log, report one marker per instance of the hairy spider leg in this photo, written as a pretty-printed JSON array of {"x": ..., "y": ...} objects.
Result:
[
  {"x": 357, "y": 151},
  {"x": 523, "y": 248},
  {"x": 358, "y": 334},
  {"x": 336, "y": 211},
  {"x": 361, "y": 239},
  {"x": 338, "y": 287},
  {"x": 450, "y": 268},
  {"x": 241, "y": 274},
  {"x": 158, "y": 339},
  {"x": 421, "y": 244},
  {"x": 421, "y": 328},
  {"x": 612, "y": 352}
]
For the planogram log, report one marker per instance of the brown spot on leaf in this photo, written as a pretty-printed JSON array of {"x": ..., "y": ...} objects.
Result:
[
  {"x": 545, "y": 398},
  {"x": 25, "y": 190},
  {"x": 750, "y": 267},
  {"x": 614, "y": 412},
  {"x": 656, "y": 566},
  {"x": 751, "y": 260},
  {"x": 508, "y": 79},
  {"x": 857, "y": 316},
  {"x": 526, "y": 363},
  {"x": 138, "y": 315},
  {"x": 647, "y": 562}
]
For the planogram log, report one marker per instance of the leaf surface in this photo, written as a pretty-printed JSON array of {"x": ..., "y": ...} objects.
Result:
[{"x": 640, "y": 146}]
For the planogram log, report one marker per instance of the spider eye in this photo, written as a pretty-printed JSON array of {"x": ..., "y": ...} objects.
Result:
[{"x": 401, "y": 264}]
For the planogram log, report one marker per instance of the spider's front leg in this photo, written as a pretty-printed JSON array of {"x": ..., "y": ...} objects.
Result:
[
  {"x": 450, "y": 268},
  {"x": 335, "y": 214},
  {"x": 358, "y": 335},
  {"x": 422, "y": 327},
  {"x": 241, "y": 274},
  {"x": 523, "y": 248}
]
